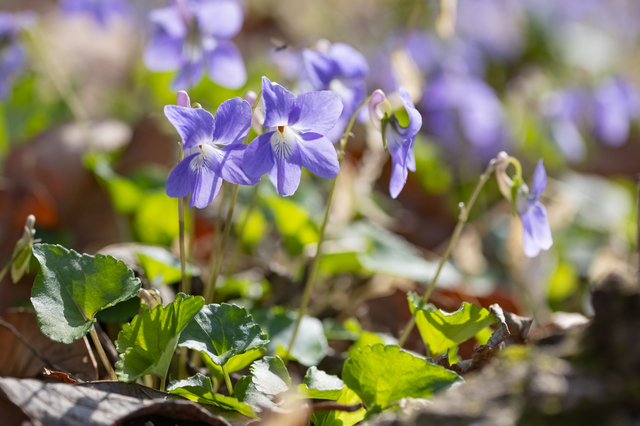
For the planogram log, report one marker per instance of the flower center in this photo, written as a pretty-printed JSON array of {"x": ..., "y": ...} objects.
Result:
[
  {"x": 281, "y": 129},
  {"x": 283, "y": 142}
]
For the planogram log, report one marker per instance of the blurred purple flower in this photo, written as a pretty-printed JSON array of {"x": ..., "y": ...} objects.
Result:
[
  {"x": 461, "y": 107},
  {"x": 12, "y": 56},
  {"x": 101, "y": 11},
  {"x": 535, "y": 224},
  {"x": 566, "y": 110},
  {"x": 213, "y": 149},
  {"x": 398, "y": 139},
  {"x": 193, "y": 35},
  {"x": 295, "y": 138},
  {"x": 340, "y": 68},
  {"x": 616, "y": 105}
]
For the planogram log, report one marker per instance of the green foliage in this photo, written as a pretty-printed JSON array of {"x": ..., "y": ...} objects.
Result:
[
  {"x": 442, "y": 330},
  {"x": 120, "y": 313},
  {"x": 255, "y": 228},
  {"x": 269, "y": 378},
  {"x": 381, "y": 375},
  {"x": 310, "y": 346},
  {"x": 158, "y": 228},
  {"x": 71, "y": 289},
  {"x": 223, "y": 331},
  {"x": 294, "y": 223},
  {"x": 235, "y": 363},
  {"x": 198, "y": 388},
  {"x": 147, "y": 343},
  {"x": 319, "y": 385},
  {"x": 160, "y": 263},
  {"x": 341, "y": 418},
  {"x": 431, "y": 171}
]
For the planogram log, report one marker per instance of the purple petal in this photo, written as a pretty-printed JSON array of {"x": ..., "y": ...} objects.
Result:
[
  {"x": 285, "y": 176},
  {"x": 221, "y": 19},
  {"x": 351, "y": 63},
  {"x": 190, "y": 74},
  {"x": 226, "y": 66},
  {"x": 375, "y": 114},
  {"x": 277, "y": 103},
  {"x": 320, "y": 68},
  {"x": 415, "y": 119},
  {"x": 182, "y": 99},
  {"x": 316, "y": 112},
  {"x": 232, "y": 122},
  {"x": 539, "y": 182},
  {"x": 398, "y": 178},
  {"x": 170, "y": 20},
  {"x": 231, "y": 165},
  {"x": 536, "y": 231},
  {"x": 258, "y": 157},
  {"x": 318, "y": 155},
  {"x": 181, "y": 179},
  {"x": 205, "y": 187},
  {"x": 163, "y": 53},
  {"x": 194, "y": 125}
]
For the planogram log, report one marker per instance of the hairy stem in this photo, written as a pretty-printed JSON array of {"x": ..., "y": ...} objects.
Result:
[
  {"x": 102, "y": 354},
  {"x": 462, "y": 220},
  {"x": 318, "y": 256}
]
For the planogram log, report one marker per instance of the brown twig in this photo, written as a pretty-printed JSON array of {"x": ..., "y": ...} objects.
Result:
[{"x": 334, "y": 406}]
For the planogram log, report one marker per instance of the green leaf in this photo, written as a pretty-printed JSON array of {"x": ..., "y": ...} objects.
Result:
[
  {"x": 246, "y": 392},
  {"x": 158, "y": 262},
  {"x": 367, "y": 338},
  {"x": 148, "y": 342},
  {"x": 319, "y": 385},
  {"x": 222, "y": 331},
  {"x": 235, "y": 363},
  {"x": 382, "y": 375},
  {"x": 270, "y": 375},
  {"x": 294, "y": 223},
  {"x": 417, "y": 303},
  {"x": 198, "y": 388},
  {"x": 121, "y": 313},
  {"x": 310, "y": 346},
  {"x": 156, "y": 219},
  {"x": 71, "y": 289},
  {"x": 442, "y": 330},
  {"x": 340, "y": 418}
]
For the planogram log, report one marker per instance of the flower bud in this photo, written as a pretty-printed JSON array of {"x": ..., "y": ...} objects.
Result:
[
  {"x": 183, "y": 99},
  {"x": 378, "y": 108}
]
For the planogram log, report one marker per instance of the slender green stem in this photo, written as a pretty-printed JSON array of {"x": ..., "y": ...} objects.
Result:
[
  {"x": 318, "y": 256},
  {"x": 216, "y": 240},
  {"x": 227, "y": 380},
  {"x": 163, "y": 383},
  {"x": 103, "y": 355},
  {"x": 184, "y": 285},
  {"x": 238, "y": 247},
  {"x": 208, "y": 298},
  {"x": 462, "y": 220}
]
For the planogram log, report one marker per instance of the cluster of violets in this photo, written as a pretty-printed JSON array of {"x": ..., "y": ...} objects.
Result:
[{"x": 12, "y": 55}]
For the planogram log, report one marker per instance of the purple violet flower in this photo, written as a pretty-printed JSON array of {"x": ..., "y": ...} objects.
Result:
[
  {"x": 102, "y": 11},
  {"x": 295, "y": 138},
  {"x": 399, "y": 140},
  {"x": 340, "y": 68},
  {"x": 193, "y": 35},
  {"x": 616, "y": 105},
  {"x": 12, "y": 56},
  {"x": 213, "y": 149},
  {"x": 535, "y": 224}
]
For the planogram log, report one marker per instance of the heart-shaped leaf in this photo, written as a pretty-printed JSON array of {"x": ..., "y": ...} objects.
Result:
[
  {"x": 222, "y": 331},
  {"x": 198, "y": 388},
  {"x": 443, "y": 330},
  {"x": 71, "y": 289},
  {"x": 319, "y": 385},
  {"x": 382, "y": 375},
  {"x": 148, "y": 342}
]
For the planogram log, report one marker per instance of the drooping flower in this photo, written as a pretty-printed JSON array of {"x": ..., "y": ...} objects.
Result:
[
  {"x": 101, "y": 11},
  {"x": 535, "y": 224},
  {"x": 12, "y": 56},
  {"x": 536, "y": 233},
  {"x": 193, "y": 36},
  {"x": 213, "y": 149},
  {"x": 340, "y": 68},
  {"x": 399, "y": 140},
  {"x": 295, "y": 137}
]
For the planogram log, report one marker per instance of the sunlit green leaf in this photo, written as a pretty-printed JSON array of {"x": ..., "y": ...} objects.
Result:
[
  {"x": 198, "y": 388},
  {"x": 270, "y": 375},
  {"x": 235, "y": 363},
  {"x": 158, "y": 262},
  {"x": 442, "y": 330},
  {"x": 148, "y": 342},
  {"x": 382, "y": 375},
  {"x": 71, "y": 289},
  {"x": 319, "y": 385},
  {"x": 340, "y": 418},
  {"x": 223, "y": 331}
]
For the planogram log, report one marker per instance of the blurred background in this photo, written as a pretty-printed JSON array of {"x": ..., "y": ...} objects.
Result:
[{"x": 85, "y": 147}]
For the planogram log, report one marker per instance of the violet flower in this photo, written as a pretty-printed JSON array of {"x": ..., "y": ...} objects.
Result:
[
  {"x": 565, "y": 111},
  {"x": 101, "y": 11},
  {"x": 193, "y": 35},
  {"x": 213, "y": 149},
  {"x": 398, "y": 140},
  {"x": 295, "y": 138},
  {"x": 535, "y": 224},
  {"x": 616, "y": 105},
  {"x": 12, "y": 55},
  {"x": 340, "y": 68}
]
